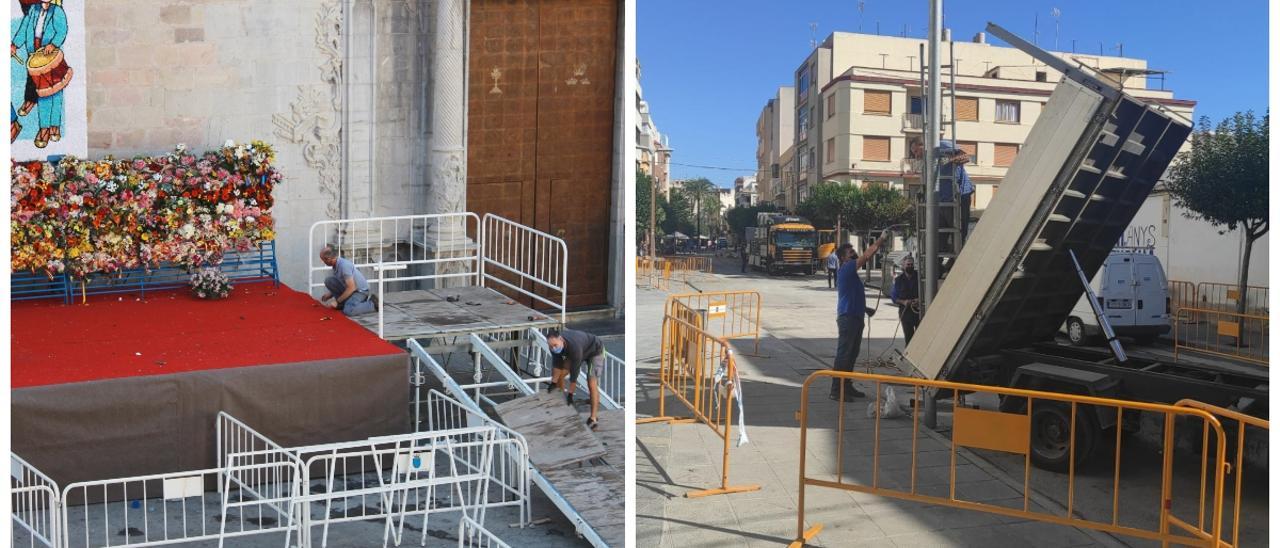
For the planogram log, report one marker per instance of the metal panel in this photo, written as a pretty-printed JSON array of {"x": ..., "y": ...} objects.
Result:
[
  {"x": 1086, "y": 167},
  {"x": 1008, "y": 432}
]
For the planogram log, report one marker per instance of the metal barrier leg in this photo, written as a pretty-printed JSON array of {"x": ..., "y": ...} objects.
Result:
[{"x": 725, "y": 488}]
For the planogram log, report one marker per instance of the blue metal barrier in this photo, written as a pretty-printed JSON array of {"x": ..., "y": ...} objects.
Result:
[{"x": 255, "y": 265}]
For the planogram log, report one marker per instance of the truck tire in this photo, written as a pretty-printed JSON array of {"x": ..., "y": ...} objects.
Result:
[
  {"x": 1051, "y": 432},
  {"x": 1076, "y": 332}
]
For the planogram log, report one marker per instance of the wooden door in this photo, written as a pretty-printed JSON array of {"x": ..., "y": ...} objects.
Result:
[{"x": 541, "y": 122}]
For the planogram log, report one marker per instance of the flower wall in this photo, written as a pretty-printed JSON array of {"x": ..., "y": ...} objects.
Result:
[{"x": 91, "y": 218}]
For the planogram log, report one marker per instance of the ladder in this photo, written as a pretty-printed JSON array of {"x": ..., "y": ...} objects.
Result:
[{"x": 949, "y": 211}]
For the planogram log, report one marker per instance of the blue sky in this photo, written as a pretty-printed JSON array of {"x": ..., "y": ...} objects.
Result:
[{"x": 708, "y": 67}]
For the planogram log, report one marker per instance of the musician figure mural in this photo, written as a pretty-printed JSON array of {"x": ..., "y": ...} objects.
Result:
[{"x": 37, "y": 44}]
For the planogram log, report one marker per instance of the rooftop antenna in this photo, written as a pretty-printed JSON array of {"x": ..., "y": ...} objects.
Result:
[
  {"x": 1035, "y": 35},
  {"x": 861, "y": 6},
  {"x": 813, "y": 35},
  {"x": 1057, "y": 14}
]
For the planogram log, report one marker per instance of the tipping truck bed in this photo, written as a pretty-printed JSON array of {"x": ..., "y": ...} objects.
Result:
[{"x": 1088, "y": 164}]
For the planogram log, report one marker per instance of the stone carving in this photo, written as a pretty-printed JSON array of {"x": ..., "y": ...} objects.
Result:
[{"x": 313, "y": 118}]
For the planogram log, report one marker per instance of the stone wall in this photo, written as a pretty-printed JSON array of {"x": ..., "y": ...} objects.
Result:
[{"x": 162, "y": 72}]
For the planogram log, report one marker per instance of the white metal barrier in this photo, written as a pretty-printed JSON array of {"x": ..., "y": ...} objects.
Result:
[
  {"x": 491, "y": 252},
  {"x": 35, "y": 516},
  {"x": 473, "y": 535},
  {"x": 392, "y": 477},
  {"x": 525, "y": 260},
  {"x": 468, "y": 397},
  {"x": 181, "y": 507},
  {"x": 35, "y": 502},
  {"x": 437, "y": 247}
]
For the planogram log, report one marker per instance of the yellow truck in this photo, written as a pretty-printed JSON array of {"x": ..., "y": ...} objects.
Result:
[{"x": 782, "y": 243}]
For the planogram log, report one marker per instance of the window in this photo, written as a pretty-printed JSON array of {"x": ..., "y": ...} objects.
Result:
[
  {"x": 802, "y": 124},
  {"x": 970, "y": 148},
  {"x": 802, "y": 83},
  {"x": 775, "y": 171},
  {"x": 830, "y": 156},
  {"x": 831, "y": 105},
  {"x": 875, "y": 149},
  {"x": 1042, "y": 76},
  {"x": 917, "y": 104},
  {"x": 1005, "y": 153},
  {"x": 967, "y": 109},
  {"x": 876, "y": 102},
  {"x": 1008, "y": 111}
]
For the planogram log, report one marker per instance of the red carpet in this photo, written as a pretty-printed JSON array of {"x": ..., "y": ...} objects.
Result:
[{"x": 172, "y": 332}]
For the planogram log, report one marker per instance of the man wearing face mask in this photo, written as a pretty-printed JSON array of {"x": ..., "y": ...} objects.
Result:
[
  {"x": 570, "y": 351},
  {"x": 906, "y": 293}
]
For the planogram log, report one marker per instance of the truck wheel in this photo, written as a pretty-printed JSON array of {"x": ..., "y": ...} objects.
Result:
[
  {"x": 1075, "y": 331},
  {"x": 1051, "y": 434}
]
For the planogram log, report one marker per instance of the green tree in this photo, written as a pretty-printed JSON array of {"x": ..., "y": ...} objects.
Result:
[
  {"x": 1223, "y": 180},
  {"x": 677, "y": 213},
  {"x": 861, "y": 210},
  {"x": 699, "y": 192},
  {"x": 739, "y": 218}
]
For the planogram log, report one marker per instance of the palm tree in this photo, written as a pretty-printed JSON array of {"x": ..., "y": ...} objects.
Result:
[{"x": 698, "y": 189}]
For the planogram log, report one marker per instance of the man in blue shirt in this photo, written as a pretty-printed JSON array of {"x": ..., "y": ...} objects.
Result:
[
  {"x": 851, "y": 306},
  {"x": 347, "y": 286}
]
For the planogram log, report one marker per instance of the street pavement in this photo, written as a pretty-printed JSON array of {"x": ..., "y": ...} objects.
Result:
[{"x": 799, "y": 338}]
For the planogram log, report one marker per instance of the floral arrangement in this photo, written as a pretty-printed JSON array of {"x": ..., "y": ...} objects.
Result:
[
  {"x": 90, "y": 218},
  {"x": 210, "y": 283}
]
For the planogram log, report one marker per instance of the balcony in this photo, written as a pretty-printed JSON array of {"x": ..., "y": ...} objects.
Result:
[
  {"x": 912, "y": 122},
  {"x": 912, "y": 166}
]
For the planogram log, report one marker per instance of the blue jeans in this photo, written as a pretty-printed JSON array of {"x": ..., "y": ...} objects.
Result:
[
  {"x": 358, "y": 303},
  {"x": 847, "y": 346}
]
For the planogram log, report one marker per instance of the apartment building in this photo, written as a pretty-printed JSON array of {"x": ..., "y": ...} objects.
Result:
[
  {"x": 744, "y": 191},
  {"x": 653, "y": 151},
  {"x": 775, "y": 133},
  {"x": 859, "y": 107}
]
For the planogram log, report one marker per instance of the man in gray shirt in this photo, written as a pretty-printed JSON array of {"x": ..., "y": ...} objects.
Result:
[
  {"x": 571, "y": 352},
  {"x": 348, "y": 288}
]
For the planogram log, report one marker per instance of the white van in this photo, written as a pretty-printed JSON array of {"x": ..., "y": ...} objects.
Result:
[{"x": 1134, "y": 295}]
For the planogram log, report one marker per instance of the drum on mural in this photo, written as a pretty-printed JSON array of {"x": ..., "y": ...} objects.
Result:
[{"x": 49, "y": 71}]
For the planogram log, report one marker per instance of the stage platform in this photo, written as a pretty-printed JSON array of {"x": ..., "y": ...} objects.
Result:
[
  {"x": 453, "y": 311},
  {"x": 122, "y": 386}
]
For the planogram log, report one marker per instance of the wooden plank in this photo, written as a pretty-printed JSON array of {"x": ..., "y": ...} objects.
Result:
[
  {"x": 596, "y": 493},
  {"x": 612, "y": 432},
  {"x": 556, "y": 434}
]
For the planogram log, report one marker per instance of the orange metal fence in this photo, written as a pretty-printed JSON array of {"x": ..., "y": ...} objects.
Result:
[
  {"x": 1226, "y": 297},
  {"x": 698, "y": 369},
  {"x": 1034, "y": 421},
  {"x": 1244, "y": 424},
  {"x": 729, "y": 314},
  {"x": 1181, "y": 295},
  {"x": 653, "y": 273},
  {"x": 1240, "y": 336}
]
